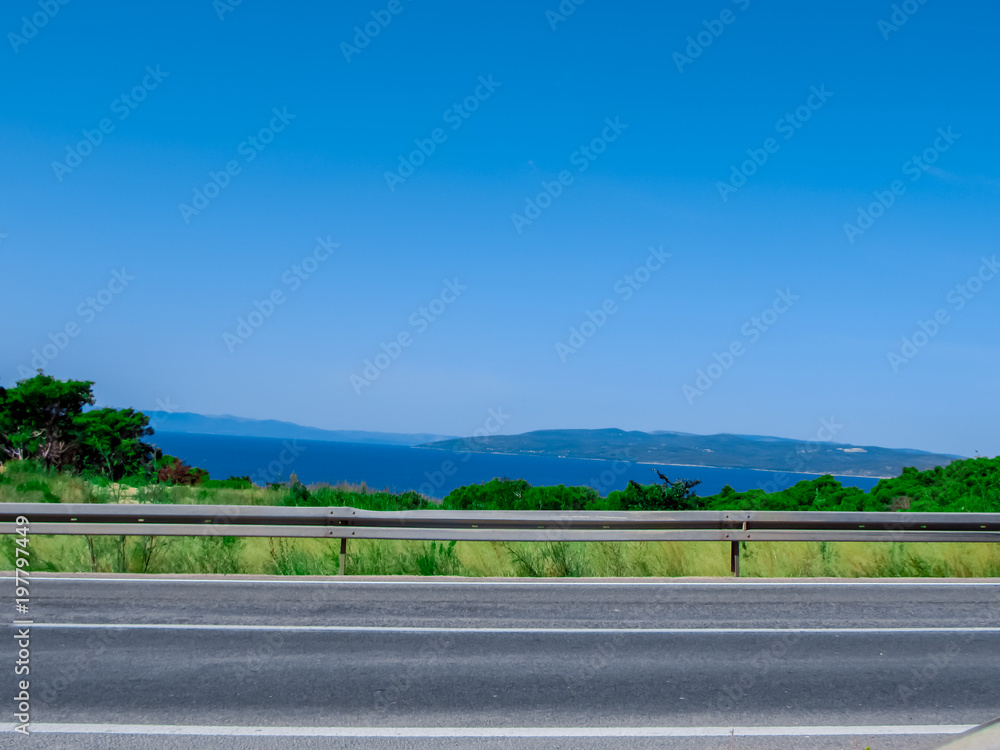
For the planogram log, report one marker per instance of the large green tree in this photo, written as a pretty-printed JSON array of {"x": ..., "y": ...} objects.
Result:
[
  {"x": 111, "y": 442},
  {"x": 42, "y": 418},
  {"x": 37, "y": 418}
]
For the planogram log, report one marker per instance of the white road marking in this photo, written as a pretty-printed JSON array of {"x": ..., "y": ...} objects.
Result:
[
  {"x": 291, "y": 580},
  {"x": 508, "y": 630},
  {"x": 441, "y": 732}
]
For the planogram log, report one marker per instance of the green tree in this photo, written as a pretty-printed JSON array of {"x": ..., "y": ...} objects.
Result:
[
  {"x": 43, "y": 419},
  {"x": 37, "y": 418},
  {"x": 676, "y": 495},
  {"x": 111, "y": 442}
]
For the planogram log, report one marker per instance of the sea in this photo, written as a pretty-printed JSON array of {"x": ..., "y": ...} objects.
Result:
[{"x": 435, "y": 473}]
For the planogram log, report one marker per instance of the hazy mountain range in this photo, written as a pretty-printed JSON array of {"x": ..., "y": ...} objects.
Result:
[
  {"x": 736, "y": 451},
  {"x": 272, "y": 428}
]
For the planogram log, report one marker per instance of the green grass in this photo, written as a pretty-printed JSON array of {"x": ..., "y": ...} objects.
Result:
[
  {"x": 231, "y": 555},
  {"x": 25, "y": 482}
]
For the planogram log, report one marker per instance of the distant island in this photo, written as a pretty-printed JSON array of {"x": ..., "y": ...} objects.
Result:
[
  {"x": 664, "y": 448},
  {"x": 723, "y": 451}
]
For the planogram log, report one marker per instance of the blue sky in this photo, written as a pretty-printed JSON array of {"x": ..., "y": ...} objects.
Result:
[{"x": 720, "y": 199}]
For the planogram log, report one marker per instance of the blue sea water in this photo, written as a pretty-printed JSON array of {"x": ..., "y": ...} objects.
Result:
[{"x": 435, "y": 472}]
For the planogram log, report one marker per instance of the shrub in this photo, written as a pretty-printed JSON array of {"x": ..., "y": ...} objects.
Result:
[
  {"x": 178, "y": 472},
  {"x": 37, "y": 485},
  {"x": 233, "y": 483}
]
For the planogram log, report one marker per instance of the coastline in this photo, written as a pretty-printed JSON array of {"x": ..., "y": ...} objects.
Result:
[
  {"x": 658, "y": 463},
  {"x": 773, "y": 471}
]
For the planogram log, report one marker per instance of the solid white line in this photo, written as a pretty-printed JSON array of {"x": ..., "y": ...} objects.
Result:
[
  {"x": 501, "y": 630},
  {"x": 441, "y": 732},
  {"x": 547, "y": 582}
]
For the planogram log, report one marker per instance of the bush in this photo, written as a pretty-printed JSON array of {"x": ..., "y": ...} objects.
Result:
[
  {"x": 178, "y": 472},
  {"x": 233, "y": 483},
  {"x": 666, "y": 496},
  {"x": 517, "y": 494},
  {"x": 37, "y": 485}
]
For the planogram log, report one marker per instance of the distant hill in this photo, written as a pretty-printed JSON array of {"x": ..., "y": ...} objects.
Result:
[
  {"x": 735, "y": 451},
  {"x": 188, "y": 422}
]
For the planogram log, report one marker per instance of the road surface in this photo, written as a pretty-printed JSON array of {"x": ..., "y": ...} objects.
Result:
[{"x": 188, "y": 662}]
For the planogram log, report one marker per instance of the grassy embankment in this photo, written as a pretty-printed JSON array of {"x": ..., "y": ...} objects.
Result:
[{"x": 973, "y": 486}]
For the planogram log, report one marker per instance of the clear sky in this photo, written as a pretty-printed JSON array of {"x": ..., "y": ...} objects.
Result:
[{"x": 755, "y": 216}]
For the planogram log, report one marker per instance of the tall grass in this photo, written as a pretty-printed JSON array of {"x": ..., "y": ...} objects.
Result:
[
  {"x": 232, "y": 555},
  {"x": 24, "y": 482}
]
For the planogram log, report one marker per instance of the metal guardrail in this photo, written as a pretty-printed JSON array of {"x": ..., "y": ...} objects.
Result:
[{"x": 521, "y": 526}]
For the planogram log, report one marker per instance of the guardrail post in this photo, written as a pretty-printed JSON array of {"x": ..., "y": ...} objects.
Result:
[
  {"x": 343, "y": 554},
  {"x": 734, "y": 558}
]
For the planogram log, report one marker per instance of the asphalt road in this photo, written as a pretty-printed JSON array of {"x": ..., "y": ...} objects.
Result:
[{"x": 390, "y": 663}]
